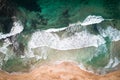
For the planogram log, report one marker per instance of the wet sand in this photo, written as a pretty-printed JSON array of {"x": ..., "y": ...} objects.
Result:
[{"x": 63, "y": 71}]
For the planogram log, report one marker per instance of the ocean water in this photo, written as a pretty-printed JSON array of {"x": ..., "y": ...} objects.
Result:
[{"x": 83, "y": 32}]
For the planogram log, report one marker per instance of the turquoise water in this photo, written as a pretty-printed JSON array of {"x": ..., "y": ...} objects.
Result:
[
  {"x": 44, "y": 14},
  {"x": 60, "y": 13}
]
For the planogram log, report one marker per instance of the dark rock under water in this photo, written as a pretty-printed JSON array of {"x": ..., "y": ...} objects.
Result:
[{"x": 56, "y": 13}]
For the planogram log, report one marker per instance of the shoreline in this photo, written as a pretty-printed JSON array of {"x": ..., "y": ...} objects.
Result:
[{"x": 62, "y": 71}]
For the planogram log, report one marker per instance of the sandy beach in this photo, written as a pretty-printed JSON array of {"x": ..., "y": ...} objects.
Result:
[{"x": 62, "y": 71}]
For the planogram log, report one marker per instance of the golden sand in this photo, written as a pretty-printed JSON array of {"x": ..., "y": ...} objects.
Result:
[{"x": 63, "y": 71}]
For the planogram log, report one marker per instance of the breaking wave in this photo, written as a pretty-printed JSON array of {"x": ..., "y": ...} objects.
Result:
[
  {"x": 83, "y": 46},
  {"x": 77, "y": 40},
  {"x": 16, "y": 29},
  {"x": 76, "y": 36}
]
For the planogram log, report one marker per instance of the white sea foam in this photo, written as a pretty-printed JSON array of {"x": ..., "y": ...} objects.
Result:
[
  {"x": 113, "y": 62},
  {"x": 110, "y": 32},
  {"x": 4, "y": 48},
  {"x": 92, "y": 19},
  {"x": 78, "y": 40},
  {"x": 110, "y": 63},
  {"x": 52, "y": 40},
  {"x": 16, "y": 29},
  {"x": 55, "y": 30},
  {"x": 116, "y": 62}
]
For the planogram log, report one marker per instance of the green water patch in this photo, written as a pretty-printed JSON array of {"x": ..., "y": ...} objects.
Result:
[
  {"x": 115, "y": 49},
  {"x": 31, "y": 5},
  {"x": 59, "y": 13},
  {"x": 14, "y": 64},
  {"x": 115, "y": 23},
  {"x": 99, "y": 61},
  {"x": 84, "y": 54},
  {"x": 112, "y": 8},
  {"x": 93, "y": 29},
  {"x": 23, "y": 38},
  {"x": 81, "y": 55},
  {"x": 45, "y": 14},
  {"x": 102, "y": 55}
]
